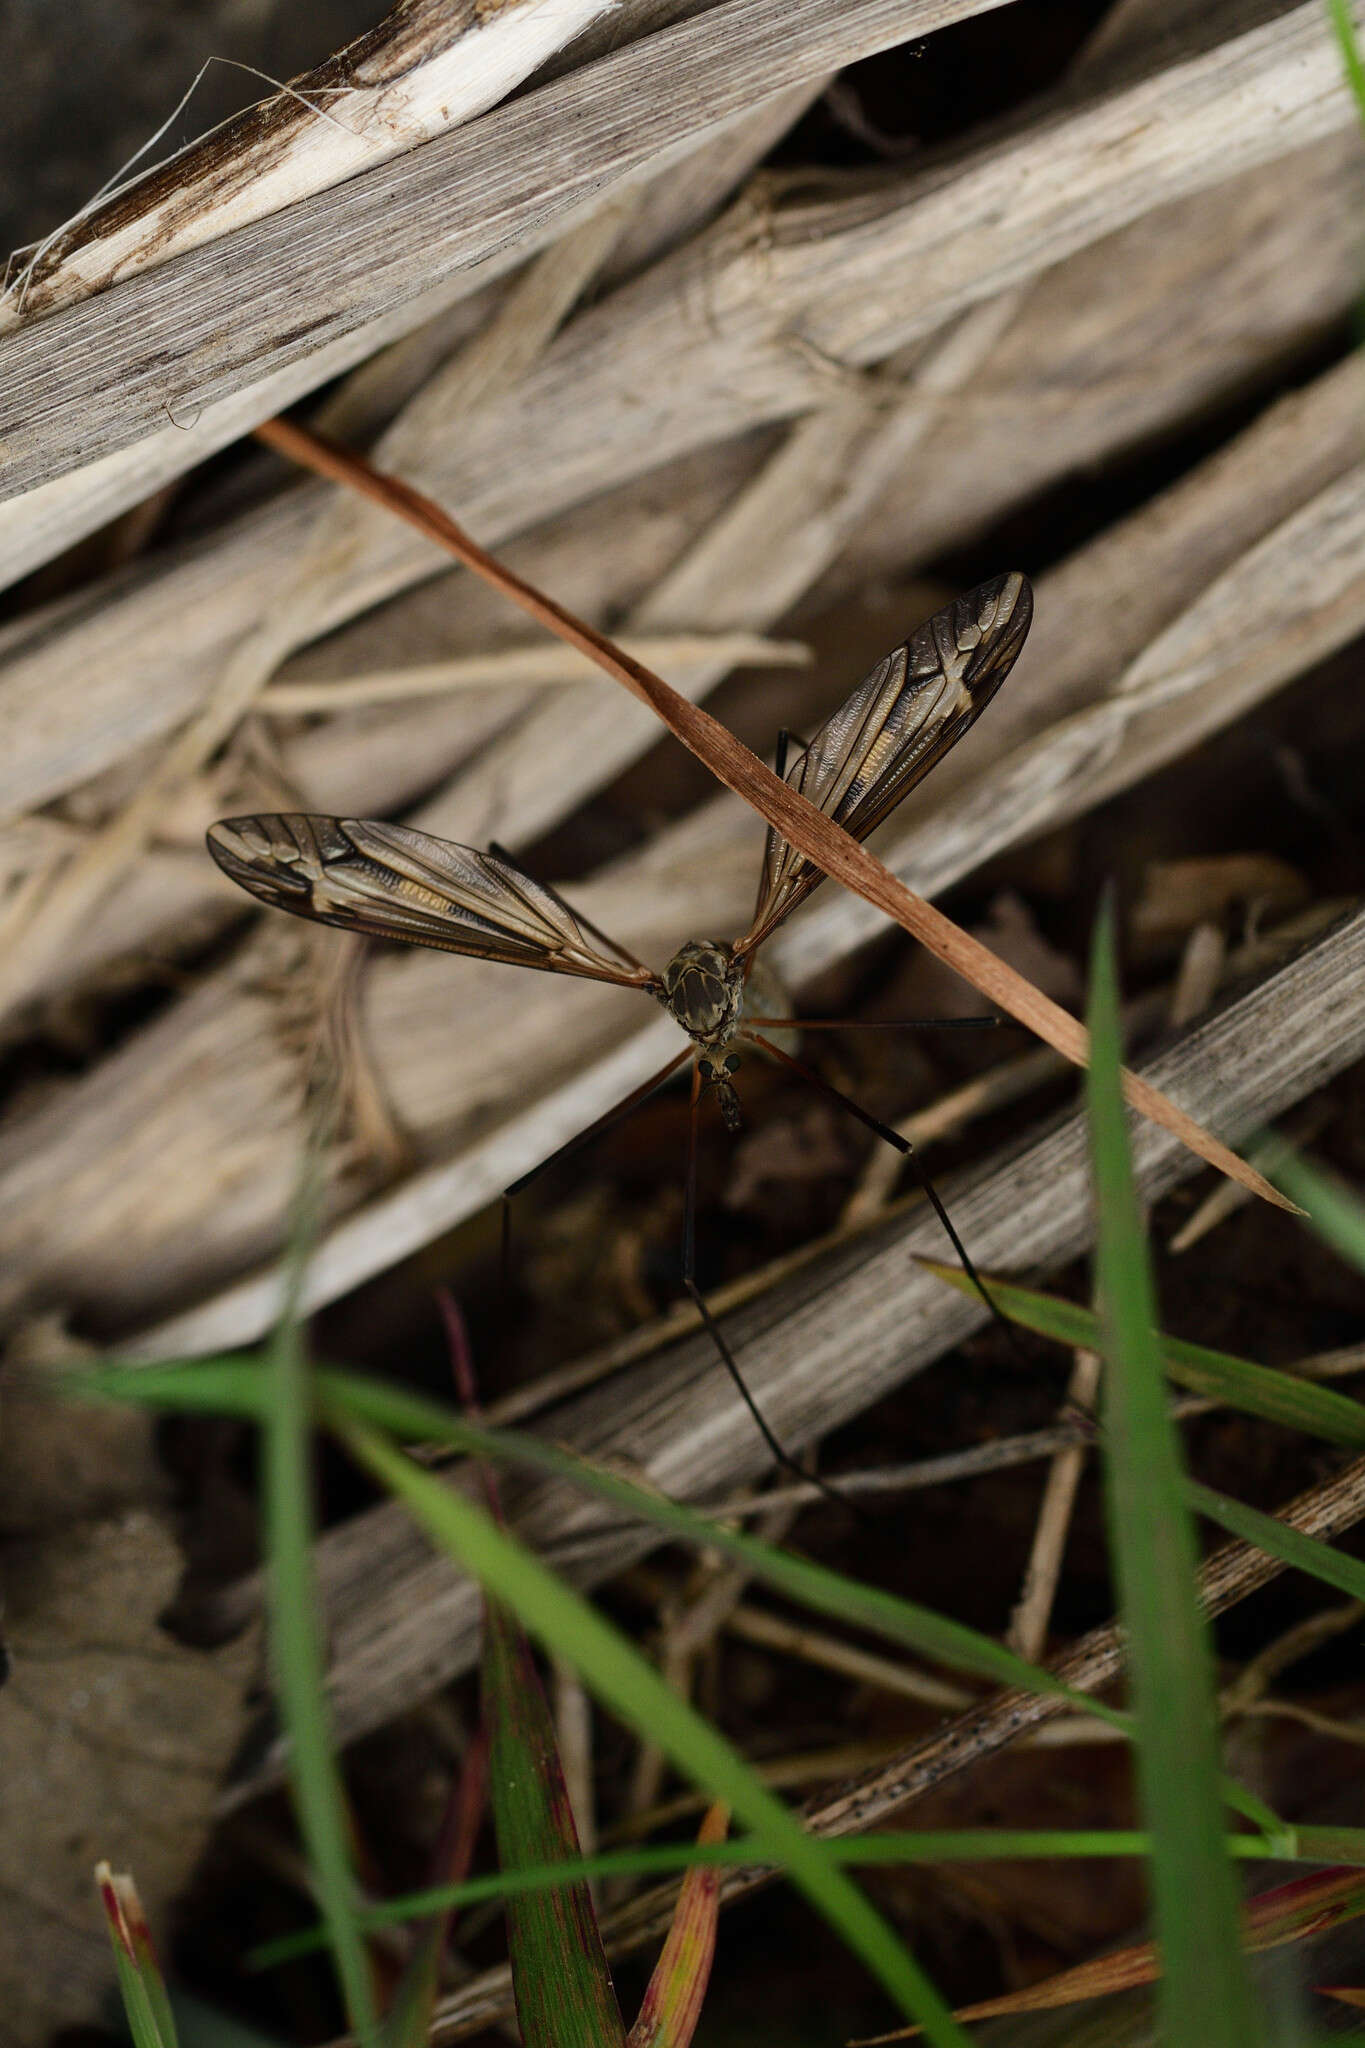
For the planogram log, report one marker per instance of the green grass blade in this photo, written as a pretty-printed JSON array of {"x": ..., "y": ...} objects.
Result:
[
  {"x": 815, "y": 1586},
  {"x": 412, "y": 1417},
  {"x": 630, "y": 1686},
  {"x": 297, "y": 1660},
  {"x": 1205, "y": 1995},
  {"x": 235, "y": 1385},
  {"x": 1278, "y": 1397},
  {"x": 1318, "y": 1845},
  {"x": 560, "y": 1977},
  {"x": 1339, "y": 13},
  {"x": 1277, "y": 1539},
  {"x": 1336, "y": 1212},
  {"x": 141, "y": 1984}
]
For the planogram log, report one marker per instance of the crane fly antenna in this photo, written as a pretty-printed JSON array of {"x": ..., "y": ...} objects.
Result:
[
  {"x": 689, "y": 1278},
  {"x": 907, "y": 1150},
  {"x": 877, "y": 1024},
  {"x": 595, "y": 930}
]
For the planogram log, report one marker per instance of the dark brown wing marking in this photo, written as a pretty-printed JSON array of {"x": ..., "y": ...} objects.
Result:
[
  {"x": 393, "y": 883},
  {"x": 897, "y": 725}
]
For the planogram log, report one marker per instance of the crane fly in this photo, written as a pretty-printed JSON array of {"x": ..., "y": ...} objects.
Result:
[{"x": 390, "y": 882}]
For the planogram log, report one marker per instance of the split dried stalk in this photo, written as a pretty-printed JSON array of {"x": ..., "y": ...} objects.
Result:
[
  {"x": 783, "y": 807},
  {"x": 412, "y": 334},
  {"x": 705, "y": 333},
  {"x": 195, "y": 330},
  {"x": 32, "y": 935},
  {"x": 428, "y": 66}
]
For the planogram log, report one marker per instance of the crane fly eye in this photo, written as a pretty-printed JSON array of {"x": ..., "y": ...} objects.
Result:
[{"x": 731, "y": 1063}]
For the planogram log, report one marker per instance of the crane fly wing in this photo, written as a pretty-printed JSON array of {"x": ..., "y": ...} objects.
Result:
[
  {"x": 898, "y": 724},
  {"x": 393, "y": 883}
]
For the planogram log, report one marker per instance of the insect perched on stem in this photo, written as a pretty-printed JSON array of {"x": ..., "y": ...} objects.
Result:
[{"x": 390, "y": 882}]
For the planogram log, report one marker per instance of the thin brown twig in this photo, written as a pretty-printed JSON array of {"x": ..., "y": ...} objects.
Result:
[
  {"x": 783, "y": 807},
  {"x": 1028, "y": 1624}
]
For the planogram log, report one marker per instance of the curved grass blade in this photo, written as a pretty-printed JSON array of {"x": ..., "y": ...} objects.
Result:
[
  {"x": 1333, "y": 1209},
  {"x": 293, "y": 1608},
  {"x": 629, "y": 1685},
  {"x": 1205, "y": 1994},
  {"x": 1305, "y": 1553},
  {"x": 1344, "y": 28},
  {"x": 1344, "y": 1846},
  {"x": 299, "y": 1668},
  {"x": 1279, "y": 1397},
  {"x": 225, "y": 1385}
]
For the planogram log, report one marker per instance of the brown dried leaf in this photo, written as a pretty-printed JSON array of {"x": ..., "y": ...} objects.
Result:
[{"x": 116, "y": 1738}]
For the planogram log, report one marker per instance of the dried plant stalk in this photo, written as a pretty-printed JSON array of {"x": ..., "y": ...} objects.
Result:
[
  {"x": 186, "y": 1197},
  {"x": 416, "y": 332},
  {"x": 195, "y": 330},
  {"x": 428, "y": 66},
  {"x": 703, "y": 333}
]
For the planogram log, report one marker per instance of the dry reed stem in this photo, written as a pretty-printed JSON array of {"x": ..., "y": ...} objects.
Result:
[
  {"x": 494, "y": 361},
  {"x": 1298, "y": 1641},
  {"x": 828, "y": 1652},
  {"x": 526, "y": 668},
  {"x": 997, "y": 1454},
  {"x": 194, "y": 331},
  {"x": 783, "y": 807},
  {"x": 393, "y": 351},
  {"x": 427, "y": 67}
]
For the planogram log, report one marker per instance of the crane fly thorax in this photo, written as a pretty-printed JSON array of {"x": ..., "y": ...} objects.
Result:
[{"x": 704, "y": 992}]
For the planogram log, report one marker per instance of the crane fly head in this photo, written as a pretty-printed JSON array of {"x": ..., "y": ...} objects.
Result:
[{"x": 704, "y": 992}]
